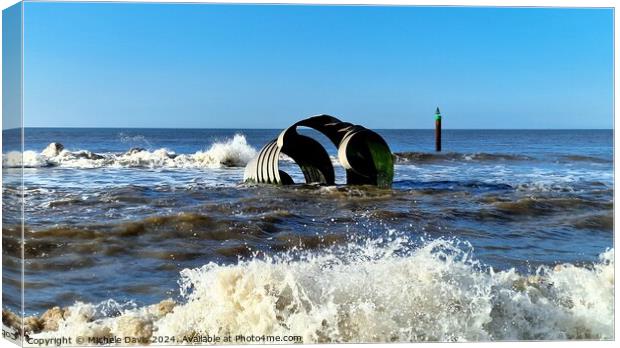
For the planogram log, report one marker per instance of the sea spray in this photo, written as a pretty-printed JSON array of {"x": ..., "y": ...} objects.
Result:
[
  {"x": 235, "y": 152},
  {"x": 28, "y": 159},
  {"x": 380, "y": 290}
]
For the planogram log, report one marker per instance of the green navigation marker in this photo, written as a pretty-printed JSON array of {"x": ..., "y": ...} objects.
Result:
[{"x": 437, "y": 130}]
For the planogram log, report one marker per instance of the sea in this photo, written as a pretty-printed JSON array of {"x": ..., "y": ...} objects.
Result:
[{"x": 504, "y": 235}]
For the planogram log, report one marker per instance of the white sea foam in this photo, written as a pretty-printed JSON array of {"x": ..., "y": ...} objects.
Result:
[
  {"x": 30, "y": 159},
  {"x": 376, "y": 291},
  {"x": 235, "y": 152},
  {"x": 232, "y": 153}
]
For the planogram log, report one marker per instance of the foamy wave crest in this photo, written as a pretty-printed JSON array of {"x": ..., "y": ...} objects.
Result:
[
  {"x": 235, "y": 152},
  {"x": 424, "y": 157},
  {"x": 232, "y": 153},
  {"x": 29, "y": 159},
  {"x": 376, "y": 291}
]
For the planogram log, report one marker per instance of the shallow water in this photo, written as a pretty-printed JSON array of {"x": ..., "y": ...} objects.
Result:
[{"x": 104, "y": 224}]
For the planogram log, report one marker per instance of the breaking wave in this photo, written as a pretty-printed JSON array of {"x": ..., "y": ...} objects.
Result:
[
  {"x": 580, "y": 158},
  {"x": 424, "y": 157},
  {"x": 235, "y": 152},
  {"x": 381, "y": 290}
]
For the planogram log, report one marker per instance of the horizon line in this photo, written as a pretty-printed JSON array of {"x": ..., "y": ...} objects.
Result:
[{"x": 253, "y": 128}]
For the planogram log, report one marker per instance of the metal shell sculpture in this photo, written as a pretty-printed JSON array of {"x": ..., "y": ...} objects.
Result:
[{"x": 364, "y": 154}]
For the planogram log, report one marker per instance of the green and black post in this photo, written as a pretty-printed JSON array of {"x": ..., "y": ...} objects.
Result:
[{"x": 437, "y": 131}]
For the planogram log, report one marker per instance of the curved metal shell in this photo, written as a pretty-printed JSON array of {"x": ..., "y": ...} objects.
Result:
[
  {"x": 264, "y": 169},
  {"x": 363, "y": 153}
]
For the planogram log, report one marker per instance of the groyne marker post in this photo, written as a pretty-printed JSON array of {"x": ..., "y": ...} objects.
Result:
[{"x": 437, "y": 131}]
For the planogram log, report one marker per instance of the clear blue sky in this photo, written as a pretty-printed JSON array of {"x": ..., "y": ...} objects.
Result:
[{"x": 252, "y": 66}]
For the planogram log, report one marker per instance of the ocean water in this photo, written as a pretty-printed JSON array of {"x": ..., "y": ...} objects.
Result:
[{"x": 506, "y": 234}]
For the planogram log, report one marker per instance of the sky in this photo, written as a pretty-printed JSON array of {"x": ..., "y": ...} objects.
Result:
[
  {"x": 11, "y": 67},
  {"x": 258, "y": 66}
]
